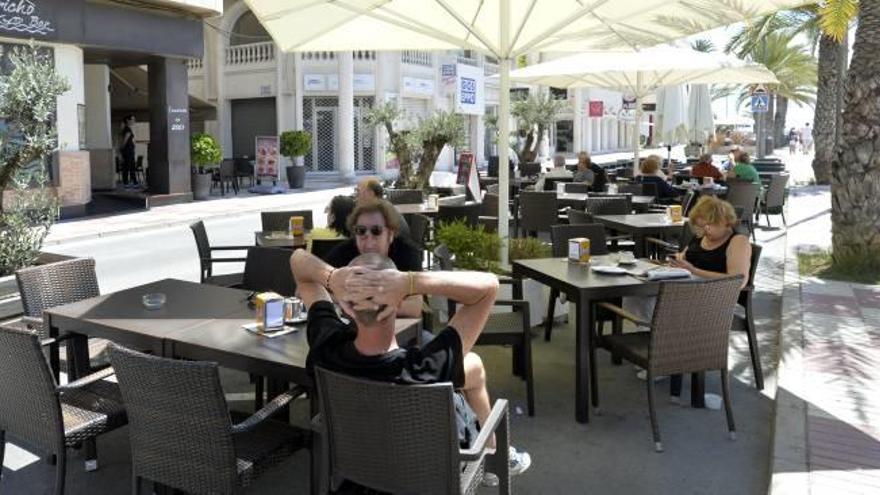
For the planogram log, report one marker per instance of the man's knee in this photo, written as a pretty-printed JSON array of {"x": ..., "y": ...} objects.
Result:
[{"x": 473, "y": 368}]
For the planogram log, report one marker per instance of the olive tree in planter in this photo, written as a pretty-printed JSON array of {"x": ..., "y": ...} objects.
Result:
[
  {"x": 534, "y": 115},
  {"x": 294, "y": 144},
  {"x": 205, "y": 155},
  {"x": 391, "y": 117},
  {"x": 28, "y": 97}
]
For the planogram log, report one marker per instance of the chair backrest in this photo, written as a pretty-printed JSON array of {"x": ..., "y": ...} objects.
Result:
[
  {"x": 227, "y": 169},
  {"x": 46, "y": 286},
  {"x": 753, "y": 264},
  {"x": 609, "y": 205},
  {"x": 775, "y": 196},
  {"x": 139, "y": 162},
  {"x": 687, "y": 201},
  {"x": 578, "y": 217},
  {"x": 493, "y": 188},
  {"x": 243, "y": 167},
  {"x": 595, "y": 232},
  {"x": 577, "y": 188},
  {"x": 529, "y": 169},
  {"x": 268, "y": 269},
  {"x": 744, "y": 194},
  {"x": 444, "y": 256},
  {"x": 456, "y": 199},
  {"x": 389, "y": 437},
  {"x": 404, "y": 196},
  {"x": 277, "y": 221},
  {"x": 322, "y": 247},
  {"x": 418, "y": 229},
  {"x": 29, "y": 408},
  {"x": 204, "y": 248},
  {"x": 470, "y": 213},
  {"x": 634, "y": 188},
  {"x": 489, "y": 206},
  {"x": 538, "y": 210},
  {"x": 650, "y": 189},
  {"x": 691, "y": 325},
  {"x": 179, "y": 425}
]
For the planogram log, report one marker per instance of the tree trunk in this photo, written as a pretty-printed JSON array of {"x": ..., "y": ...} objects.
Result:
[
  {"x": 827, "y": 110},
  {"x": 769, "y": 119},
  {"x": 779, "y": 134},
  {"x": 855, "y": 171}
]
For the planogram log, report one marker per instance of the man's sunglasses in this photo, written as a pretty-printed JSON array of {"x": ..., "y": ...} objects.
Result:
[{"x": 361, "y": 230}]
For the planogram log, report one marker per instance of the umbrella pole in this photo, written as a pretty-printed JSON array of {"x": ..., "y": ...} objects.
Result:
[
  {"x": 638, "y": 122},
  {"x": 504, "y": 130}
]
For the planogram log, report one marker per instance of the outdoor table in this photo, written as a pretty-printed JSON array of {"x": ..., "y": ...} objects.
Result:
[
  {"x": 640, "y": 227},
  {"x": 417, "y": 208},
  {"x": 715, "y": 190},
  {"x": 578, "y": 200},
  {"x": 280, "y": 239},
  {"x": 583, "y": 286}
]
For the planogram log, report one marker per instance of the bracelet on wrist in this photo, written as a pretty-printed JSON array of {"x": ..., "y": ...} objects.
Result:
[{"x": 329, "y": 276}]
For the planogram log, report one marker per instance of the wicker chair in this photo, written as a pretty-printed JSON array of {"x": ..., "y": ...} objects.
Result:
[
  {"x": 531, "y": 169},
  {"x": 578, "y": 217},
  {"x": 634, "y": 188},
  {"x": 470, "y": 213},
  {"x": 404, "y": 196},
  {"x": 744, "y": 195},
  {"x": 180, "y": 428},
  {"x": 277, "y": 221},
  {"x": 538, "y": 210},
  {"x": 774, "y": 200},
  {"x": 746, "y": 322},
  {"x": 225, "y": 176},
  {"x": 609, "y": 205},
  {"x": 510, "y": 328},
  {"x": 207, "y": 260},
  {"x": 679, "y": 343},
  {"x": 322, "y": 247},
  {"x": 268, "y": 269},
  {"x": 403, "y": 438},
  {"x": 47, "y": 416},
  {"x": 46, "y": 286},
  {"x": 577, "y": 188}
]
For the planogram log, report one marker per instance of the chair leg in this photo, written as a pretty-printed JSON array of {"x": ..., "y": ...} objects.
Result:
[
  {"x": 655, "y": 428},
  {"x": 90, "y": 449},
  {"x": 135, "y": 485},
  {"x": 2, "y": 450},
  {"x": 767, "y": 216},
  {"x": 753, "y": 347},
  {"x": 784, "y": 224},
  {"x": 616, "y": 329},
  {"x": 60, "y": 472},
  {"x": 517, "y": 360},
  {"x": 529, "y": 375},
  {"x": 728, "y": 410},
  {"x": 259, "y": 391},
  {"x": 551, "y": 308},
  {"x": 594, "y": 379}
]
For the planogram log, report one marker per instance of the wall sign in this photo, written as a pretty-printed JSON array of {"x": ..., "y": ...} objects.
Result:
[
  {"x": 597, "y": 109},
  {"x": 23, "y": 16},
  {"x": 414, "y": 86},
  {"x": 364, "y": 82},
  {"x": 314, "y": 82},
  {"x": 177, "y": 119},
  {"x": 470, "y": 90}
]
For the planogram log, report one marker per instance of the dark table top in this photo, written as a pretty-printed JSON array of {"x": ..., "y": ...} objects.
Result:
[
  {"x": 636, "y": 199},
  {"x": 420, "y": 208},
  {"x": 279, "y": 239},
  {"x": 643, "y": 222},
  {"x": 572, "y": 277}
]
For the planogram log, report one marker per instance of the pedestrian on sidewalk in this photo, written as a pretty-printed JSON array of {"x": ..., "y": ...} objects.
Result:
[{"x": 126, "y": 150}]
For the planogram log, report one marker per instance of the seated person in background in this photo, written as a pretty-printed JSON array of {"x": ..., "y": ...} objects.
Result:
[
  {"x": 744, "y": 170},
  {"x": 558, "y": 171},
  {"x": 649, "y": 169},
  {"x": 370, "y": 290},
  {"x": 370, "y": 189},
  {"x": 337, "y": 211},
  {"x": 654, "y": 171},
  {"x": 585, "y": 173},
  {"x": 705, "y": 169},
  {"x": 373, "y": 226}
]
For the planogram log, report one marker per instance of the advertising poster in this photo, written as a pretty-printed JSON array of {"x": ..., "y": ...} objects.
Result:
[
  {"x": 267, "y": 157},
  {"x": 597, "y": 109},
  {"x": 470, "y": 90}
]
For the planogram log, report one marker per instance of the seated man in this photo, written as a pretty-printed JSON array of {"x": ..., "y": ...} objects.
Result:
[
  {"x": 370, "y": 189},
  {"x": 374, "y": 229},
  {"x": 370, "y": 289},
  {"x": 705, "y": 168}
]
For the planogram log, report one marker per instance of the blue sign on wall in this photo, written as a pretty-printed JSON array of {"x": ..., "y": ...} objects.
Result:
[
  {"x": 468, "y": 91},
  {"x": 760, "y": 103}
]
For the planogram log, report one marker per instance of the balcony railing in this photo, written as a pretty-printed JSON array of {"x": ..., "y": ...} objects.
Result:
[
  {"x": 195, "y": 65},
  {"x": 415, "y": 57},
  {"x": 490, "y": 69},
  {"x": 251, "y": 53},
  {"x": 330, "y": 56},
  {"x": 467, "y": 60}
]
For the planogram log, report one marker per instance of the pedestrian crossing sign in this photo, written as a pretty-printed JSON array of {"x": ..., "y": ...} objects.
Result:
[{"x": 760, "y": 103}]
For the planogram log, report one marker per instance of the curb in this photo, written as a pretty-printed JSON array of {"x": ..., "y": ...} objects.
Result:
[{"x": 789, "y": 468}]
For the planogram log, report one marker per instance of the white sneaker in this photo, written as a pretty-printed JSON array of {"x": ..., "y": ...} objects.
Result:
[{"x": 518, "y": 463}]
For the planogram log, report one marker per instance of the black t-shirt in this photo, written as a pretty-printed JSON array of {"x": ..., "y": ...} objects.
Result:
[
  {"x": 403, "y": 253},
  {"x": 331, "y": 346},
  {"x": 600, "y": 178},
  {"x": 126, "y": 144}
]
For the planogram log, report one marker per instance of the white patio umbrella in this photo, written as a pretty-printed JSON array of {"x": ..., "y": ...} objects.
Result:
[
  {"x": 504, "y": 29},
  {"x": 643, "y": 72},
  {"x": 701, "y": 120},
  {"x": 673, "y": 114}
]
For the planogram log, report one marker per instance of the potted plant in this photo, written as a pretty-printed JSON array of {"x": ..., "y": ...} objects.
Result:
[
  {"x": 534, "y": 114},
  {"x": 205, "y": 155},
  {"x": 294, "y": 144}
]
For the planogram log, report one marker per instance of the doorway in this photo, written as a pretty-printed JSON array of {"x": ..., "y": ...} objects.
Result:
[
  {"x": 251, "y": 117},
  {"x": 324, "y": 151}
]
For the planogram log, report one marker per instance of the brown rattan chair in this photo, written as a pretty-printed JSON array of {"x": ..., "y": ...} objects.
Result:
[
  {"x": 744, "y": 194},
  {"x": 578, "y": 217},
  {"x": 46, "y": 286},
  {"x": 677, "y": 342},
  {"x": 46, "y": 416},
  {"x": 774, "y": 200},
  {"x": 403, "y": 438},
  {"x": 180, "y": 429},
  {"x": 207, "y": 260},
  {"x": 278, "y": 221},
  {"x": 746, "y": 321},
  {"x": 404, "y": 196},
  {"x": 538, "y": 210},
  {"x": 511, "y": 328}
]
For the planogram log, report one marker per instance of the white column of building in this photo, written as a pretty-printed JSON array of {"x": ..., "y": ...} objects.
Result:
[
  {"x": 99, "y": 131},
  {"x": 298, "y": 98},
  {"x": 597, "y": 134},
  {"x": 285, "y": 111},
  {"x": 577, "y": 127},
  {"x": 379, "y": 99},
  {"x": 587, "y": 132},
  {"x": 345, "y": 124},
  {"x": 615, "y": 129}
]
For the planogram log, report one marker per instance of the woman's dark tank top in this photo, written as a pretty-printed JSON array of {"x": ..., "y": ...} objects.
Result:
[{"x": 713, "y": 260}]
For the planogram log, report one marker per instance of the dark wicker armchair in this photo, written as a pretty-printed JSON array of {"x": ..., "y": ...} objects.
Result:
[
  {"x": 403, "y": 438},
  {"x": 47, "y": 416},
  {"x": 207, "y": 259},
  {"x": 180, "y": 428},
  {"x": 404, "y": 196},
  {"x": 676, "y": 342},
  {"x": 278, "y": 221},
  {"x": 538, "y": 210}
]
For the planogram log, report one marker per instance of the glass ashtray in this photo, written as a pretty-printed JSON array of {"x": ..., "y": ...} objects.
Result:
[{"x": 153, "y": 300}]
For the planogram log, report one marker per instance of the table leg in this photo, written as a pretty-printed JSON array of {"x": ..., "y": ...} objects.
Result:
[
  {"x": 698, "y": 389},
  {"x": 582, "y": 362},
  {"x": 54, "y": 354},
  {"x": 316, "y": 452},
  {"x": 639, "y": 248},
  {"x": 78, "y": 364}
]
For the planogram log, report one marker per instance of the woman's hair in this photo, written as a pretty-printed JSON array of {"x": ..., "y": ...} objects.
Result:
[
  {"x": 651, "y": 165},
  {"x": 744, "y": 158},
  {"x": 374, "y": 185},
  {"x": 712, "y": 210},
  {"x": 584, "y": 157},
  {"x": 559, "y": 160},
  {"x": 341, "y": 207},
  {"x": 380, "y": 206},
  {"x": 127, "y": 118}
]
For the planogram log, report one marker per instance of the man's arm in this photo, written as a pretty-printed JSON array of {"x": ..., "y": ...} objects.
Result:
[{"x": 314, "y": 277}]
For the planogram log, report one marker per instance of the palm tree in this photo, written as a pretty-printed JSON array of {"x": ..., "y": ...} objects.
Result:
[{"x": 855, "y": 171}]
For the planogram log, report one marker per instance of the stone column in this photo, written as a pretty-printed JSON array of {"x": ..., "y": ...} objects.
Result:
[
  {"x": 382, "y": 62},
  {"x": 298, "y": 107},
  {"x": 578, "y": 121},
  {"x": 284, "y": 98},
  {"x": 169, "y": 166},
  {"x": 99, "y": 131},
  {"x": 345, "y": 119}
]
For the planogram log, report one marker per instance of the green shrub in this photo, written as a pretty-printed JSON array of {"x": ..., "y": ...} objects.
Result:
[
  {"x": 26, "y": 222},
  {"x": 526, "y": 248},
  {"x": 477, "y": 249},
  {"x": 295, "y": 143},
  {"x": 205, "y": 152}
]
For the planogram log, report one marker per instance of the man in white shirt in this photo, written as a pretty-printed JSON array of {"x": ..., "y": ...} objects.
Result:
[{"x": 807, "y": 138}]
